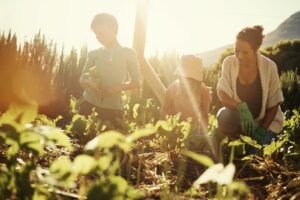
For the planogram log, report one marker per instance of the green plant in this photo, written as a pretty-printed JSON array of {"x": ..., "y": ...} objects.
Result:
[
  {"x": 101, "y": 160},
  {"x": 25, "y": 146},
  {"x": 172, "y": 134},
  {"x": 222, "y": 176}
]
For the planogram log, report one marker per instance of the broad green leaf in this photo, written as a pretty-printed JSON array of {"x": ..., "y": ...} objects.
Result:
[
  {"x": 274, "y": 146},
  {"x": 125, "y": 146},
  {"x": 115, "y": 189},
  {"x": 78, "y": 125},
  {"x": 250, "y": 141},
  {"x": 108, "y": 140},
  {"x": 139, "y": 134},
  {"x": 193, "y": 192},
  {"x": 54, "y": 134},
  {"x": 13, "y": 149},
  {"x": 32, "y": 141},
  {"x": 11, "y": 137},
  {"x": 164, "y": 124},
  {"x": 36, "y": 147},
  {"x": 61, "y": 168},
  {"x": 40, "y": 192},
  {"x": 29, "y": 137},
  {"x": 99, "y": 191},
  {"x": 202, "y": 159},
  {"x": 84, "y": 164},
  {"x": 246, "y": 158},
  {"x": 39, "y": 196},
  {"x": 104, "y": 162},
  {"x": 8, "y": 131},
  {"x": 235, "y": 143},
  {"x": 18, "y": 115},
  {"x": 133, "y": 193},
  {"x": 239, "y": 187},
  {"x": 120, "y": 183}
]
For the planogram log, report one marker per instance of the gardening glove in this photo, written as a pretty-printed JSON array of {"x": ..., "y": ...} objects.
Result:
[
  {"x": 259, "y": 134},
  {"x": 247, "y": 121}
]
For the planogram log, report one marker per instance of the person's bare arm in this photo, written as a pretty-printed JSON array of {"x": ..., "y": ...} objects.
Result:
[
  {"x": 227, "y": 101},
  {"x": 167, "y": 103},
  {"x": 130, "y": 85},
  {"x": 85, "y": 82},
  {"x": 269, "y": 116},
  {"x": 204, "y": 106},
  {"x": 88, "y": 83}
]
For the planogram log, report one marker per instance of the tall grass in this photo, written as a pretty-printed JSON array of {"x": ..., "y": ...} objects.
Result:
[
  {"x": 290, "y": 84},
  {"x": 36, "y": 71}
]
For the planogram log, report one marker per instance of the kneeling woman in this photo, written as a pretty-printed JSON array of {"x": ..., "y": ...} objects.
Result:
[
  {"x": 249, "y": 89},
  {"x": 188, "y": 95}
]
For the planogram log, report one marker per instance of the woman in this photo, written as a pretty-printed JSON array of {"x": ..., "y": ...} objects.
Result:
[
  {"x": 188, "y": 94},
  {"x": 249, "y": 89}
]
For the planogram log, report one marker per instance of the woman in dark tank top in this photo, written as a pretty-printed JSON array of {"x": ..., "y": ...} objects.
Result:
[{"x": 250, "y": 91}]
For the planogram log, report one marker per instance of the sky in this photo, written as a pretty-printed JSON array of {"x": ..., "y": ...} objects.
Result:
[{"x": 184, "y": 26}]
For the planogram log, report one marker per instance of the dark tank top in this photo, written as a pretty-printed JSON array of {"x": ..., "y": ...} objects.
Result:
[{"x": 251, "y": 94}]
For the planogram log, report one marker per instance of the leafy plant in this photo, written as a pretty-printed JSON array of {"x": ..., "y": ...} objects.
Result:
[
  {"x": 22, "y": 137},
  {"x": 222, "y": 176},
  {"x": 172, "y": 134}
]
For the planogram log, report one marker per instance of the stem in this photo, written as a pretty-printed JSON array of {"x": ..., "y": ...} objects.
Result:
[
  {"x": 219, "y": 191},
  {"x": 118, "y": 162},
  {"x": 231, "y": 155},
  {"x": 139, "y": 169},
  {"x": 181, "y": 172}
]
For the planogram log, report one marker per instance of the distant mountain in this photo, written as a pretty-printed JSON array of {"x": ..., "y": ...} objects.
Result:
[
  {"x": 288, "y": 30},
  {"x": 209, "y": 58}
]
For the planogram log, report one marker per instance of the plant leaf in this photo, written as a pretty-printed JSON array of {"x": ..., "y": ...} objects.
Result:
[
  {"x": 139, "y": 134},
  {"x": 202, "y": 159},
  {"x": 84, "y": 164}
]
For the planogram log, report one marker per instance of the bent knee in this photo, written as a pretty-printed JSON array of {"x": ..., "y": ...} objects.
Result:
[{"x": 228, "y": 120}]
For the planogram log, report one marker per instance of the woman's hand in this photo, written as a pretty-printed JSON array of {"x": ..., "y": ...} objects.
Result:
[
  {"x": 111, "y": 90},
  {"x": 91, "y": 84},
  {"x": 247, "y": 121},
  {"x": 260, "y": 134}
]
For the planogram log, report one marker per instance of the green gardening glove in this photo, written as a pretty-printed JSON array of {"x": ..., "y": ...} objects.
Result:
[
  {"x": 247, "y": 121},
  {"x": 260, "y": 134}
]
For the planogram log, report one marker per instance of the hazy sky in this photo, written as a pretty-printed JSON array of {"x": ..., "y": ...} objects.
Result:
[{"x": 186, "y": 26}]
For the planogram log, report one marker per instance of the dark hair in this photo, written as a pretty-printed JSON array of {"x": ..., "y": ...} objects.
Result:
[
  {"x": 252, "y": 35},
  {"x": 105, "y": 19}
]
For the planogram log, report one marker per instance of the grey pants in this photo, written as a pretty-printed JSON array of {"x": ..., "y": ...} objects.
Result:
[{"x": 229, "y": 122}]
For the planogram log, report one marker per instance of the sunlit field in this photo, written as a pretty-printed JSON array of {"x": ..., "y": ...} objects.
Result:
[{"x": 50, "y": 150}]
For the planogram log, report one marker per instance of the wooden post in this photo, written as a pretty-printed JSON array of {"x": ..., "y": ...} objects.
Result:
[{"x": 139, "y": 41}]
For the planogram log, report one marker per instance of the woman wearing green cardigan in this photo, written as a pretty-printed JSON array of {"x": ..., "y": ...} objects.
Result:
[{"x": 250, "y": 91}]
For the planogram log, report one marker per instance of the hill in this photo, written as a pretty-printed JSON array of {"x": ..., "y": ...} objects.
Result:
[{"x": 287, "y": 30}]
